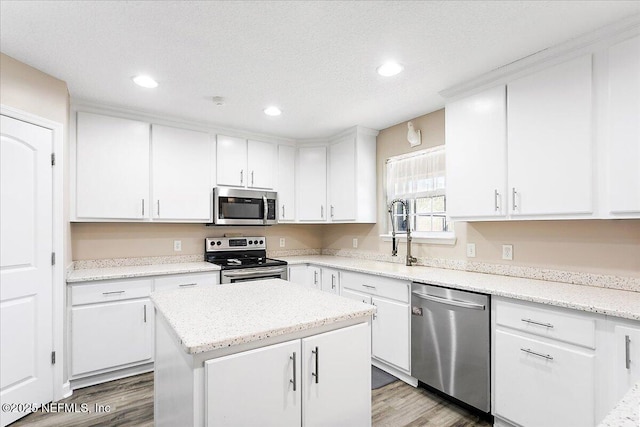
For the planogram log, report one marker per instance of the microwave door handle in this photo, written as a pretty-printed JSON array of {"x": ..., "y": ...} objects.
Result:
[{"x": 266, "y": 209}]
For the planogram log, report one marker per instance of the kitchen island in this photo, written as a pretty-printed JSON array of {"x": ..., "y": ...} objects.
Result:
[{"x": 261, "y": 353}]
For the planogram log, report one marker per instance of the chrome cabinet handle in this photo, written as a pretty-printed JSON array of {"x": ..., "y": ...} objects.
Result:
[
  {"x": 293, "y": 381},
  {"x": 241, "y": 175},
  {"x": 252, "y": 178},
  {"x": 315, "y": 277},
  {"x": 113, "y": 293},
  {"x": 187, "y": 285},
  {"x": 322, "y": 211},
  {"x": 533, "y": 322},
  {"x": 369, "y": 286},
  {"x": 514, "y": 193},
  {"x": 283, "y": 211},
  {"x": 315, "y": 374},
  {"x": 447, "y": 301},
  {"x": 145, "y": 313},
  {"x": 333, "y": 281},
  {"x": 331, "y": 211},
  {"x": 496, "y": 197},
  {"x": 158, "y": 207},
  {"x": 627, "y": 352},
  {"x": 535, "y": 353},
  {"x": 142, "y": 207}
]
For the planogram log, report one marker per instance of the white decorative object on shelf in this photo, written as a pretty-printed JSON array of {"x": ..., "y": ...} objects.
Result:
[{"x": 413, "y": 136}]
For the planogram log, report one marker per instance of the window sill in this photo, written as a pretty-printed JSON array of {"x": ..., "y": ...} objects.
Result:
[{"x": 441, "y": 238}]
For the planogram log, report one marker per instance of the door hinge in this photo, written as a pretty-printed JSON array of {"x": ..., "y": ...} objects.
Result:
[
  {"x": 53, "y": 258},
  {"x": 53, "y": 357},
  {"x": 53, "y": 159}
]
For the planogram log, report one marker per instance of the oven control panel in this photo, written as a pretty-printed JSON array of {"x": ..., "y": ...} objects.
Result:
[{"x": 214, "y": 244}]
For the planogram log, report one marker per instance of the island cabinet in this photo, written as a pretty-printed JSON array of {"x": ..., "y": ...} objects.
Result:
[
  {"x": 390, "y": 329},
  {"x": 544, "y": 365},
  {"x": 316, "y": 379}
]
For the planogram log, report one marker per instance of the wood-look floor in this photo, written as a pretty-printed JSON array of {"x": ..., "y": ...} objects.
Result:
[{"x": 131, "y": 402}]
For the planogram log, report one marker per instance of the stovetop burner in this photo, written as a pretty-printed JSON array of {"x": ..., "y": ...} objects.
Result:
[{"x": 239, "y": 252}]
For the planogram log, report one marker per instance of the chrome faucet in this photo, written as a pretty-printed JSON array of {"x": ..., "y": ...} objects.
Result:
[{"x": 394, "y": 245}]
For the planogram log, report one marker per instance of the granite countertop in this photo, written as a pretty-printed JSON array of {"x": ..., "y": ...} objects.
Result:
[
  {"x": 216, "y": 317},
  {"x": 627, "y": 411},
  {"x": 611, "y": 302},
  {"x": 123, "y": 272}
]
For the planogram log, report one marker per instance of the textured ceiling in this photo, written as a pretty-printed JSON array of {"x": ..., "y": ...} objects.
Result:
[{"x": 314, "y": 59}]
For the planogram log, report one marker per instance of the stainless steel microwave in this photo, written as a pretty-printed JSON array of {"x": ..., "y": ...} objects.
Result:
[{"x": 235, "y": 206}]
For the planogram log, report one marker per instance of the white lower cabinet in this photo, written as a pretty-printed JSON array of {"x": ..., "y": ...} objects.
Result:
[
  {"x": 321, "y": 380},
  {"x": 626, "y": 366},
  {"x": 543, "y": 384},
  {"x": 111, "y": 326},
  {"x": 330, "y": 280},
  {"x": 545, "y": 365}
]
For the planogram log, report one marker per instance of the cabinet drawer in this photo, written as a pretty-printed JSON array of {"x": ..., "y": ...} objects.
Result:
[
  {"x": 376, "y": 285},
  {"x": 186, "y": 281},
  {"x": 110, "y": 291},
  {"x": 539, "y": 384},
  {"x": 547, "y": 322}
]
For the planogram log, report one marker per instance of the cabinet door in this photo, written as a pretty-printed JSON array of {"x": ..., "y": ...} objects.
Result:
[
  {"x": 312, "y": 183},
  {"x": 231, "y": 161},
  {"x": 356, "y": 296},
  {"x": 337, "y": 378},
  {"x": 330, "y": 280},
  {"x": 286, "y": 182},
  {"x": 390, "y": 332},
  {"x": 112, "y": 167},
  {"x": 549, "y": 141},
  {"x": 109, "y": 335},
  {"x": 259, "y": 387},
  {"x": 315, "y": 274},
  {"x": 342, "y": 180},
  {"x": 260, "y": 164},
  {"x": 476, "y": 155},
  {"x": 181, "y": 174},
  {"x": 627, "y": 363},
  {"x": 541, "y": 384},
  {"x": 624, "y": 127},
  {"x": 299, "y": 274}
]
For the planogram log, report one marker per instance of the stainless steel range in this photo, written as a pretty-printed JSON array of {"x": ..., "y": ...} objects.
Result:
[{"x": 243, "y": 258}]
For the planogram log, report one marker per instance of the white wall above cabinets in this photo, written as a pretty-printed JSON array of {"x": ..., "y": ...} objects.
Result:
[
  {"x": 242, "y": 163},
  {"x": 130, "y": 170},
  {"x": 558, "y": 138}
]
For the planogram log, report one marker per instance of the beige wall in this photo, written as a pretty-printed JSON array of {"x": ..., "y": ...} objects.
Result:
[
  {"x": 30, "y": 90},
  {"x": 125, "y": 240}
]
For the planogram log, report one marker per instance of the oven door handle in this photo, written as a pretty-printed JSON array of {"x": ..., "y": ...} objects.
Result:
[{"x": 252, "y": 272}]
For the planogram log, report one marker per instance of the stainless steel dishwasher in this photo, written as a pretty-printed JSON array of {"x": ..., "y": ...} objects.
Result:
[{"x": 450, "y": 342}]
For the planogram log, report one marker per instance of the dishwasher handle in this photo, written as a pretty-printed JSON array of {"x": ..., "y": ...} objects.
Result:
[{"x": 447, "y": 301}]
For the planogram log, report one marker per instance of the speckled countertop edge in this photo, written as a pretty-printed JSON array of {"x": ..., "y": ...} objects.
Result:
[
  {"x": 627, "y": 412},
  {"x": 610, "y": 302},
  {"x": 217, "y": 317},
  {"x": 128, "y": 271}
]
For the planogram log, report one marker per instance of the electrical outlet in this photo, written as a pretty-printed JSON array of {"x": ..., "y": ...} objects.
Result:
[
  {"x": 471, "y": 250},
  {"x": 355, "y": 242},
  {"x": 282, "y": 242},
  {"x": 177, "y": 245},
  {"x": 507, "y": 252}
]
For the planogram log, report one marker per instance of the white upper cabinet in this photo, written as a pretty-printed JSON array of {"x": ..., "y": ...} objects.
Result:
[
  {"x": 242, "y": 163},
  {"x": 261, "y": 157},
  {"x": 476, "y": 148},
  {"x": 231, "y": 161},
  {"x": 181, "y": 165},
  {"x": 623, "y": 131},
  {"x": 112, "y": 168},
  {"x": 351, "y": 177},
  {"x": 286, "y": 182},
  {"x": 312, "y": 184},
  {"x": 549, "y": 136}
]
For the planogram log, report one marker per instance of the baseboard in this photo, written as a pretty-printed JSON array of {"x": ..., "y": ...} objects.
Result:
[
  {"x": 66, "y": 390},
  {"x": 395, "y": 372},
  {"x": 110, "y": 376}
]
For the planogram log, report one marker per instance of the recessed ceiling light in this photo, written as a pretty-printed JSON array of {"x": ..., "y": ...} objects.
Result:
[
  {"x": 145, "y": 81},
  {"x": 272, "y": 111},
  {"x": 389, "y": 69}
]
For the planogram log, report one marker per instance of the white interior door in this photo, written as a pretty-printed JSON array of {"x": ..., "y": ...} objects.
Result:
[{"x": 26, "y": 182}]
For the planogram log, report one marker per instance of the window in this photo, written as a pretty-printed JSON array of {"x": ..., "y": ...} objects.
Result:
[{"x": 419, "y": 178}]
